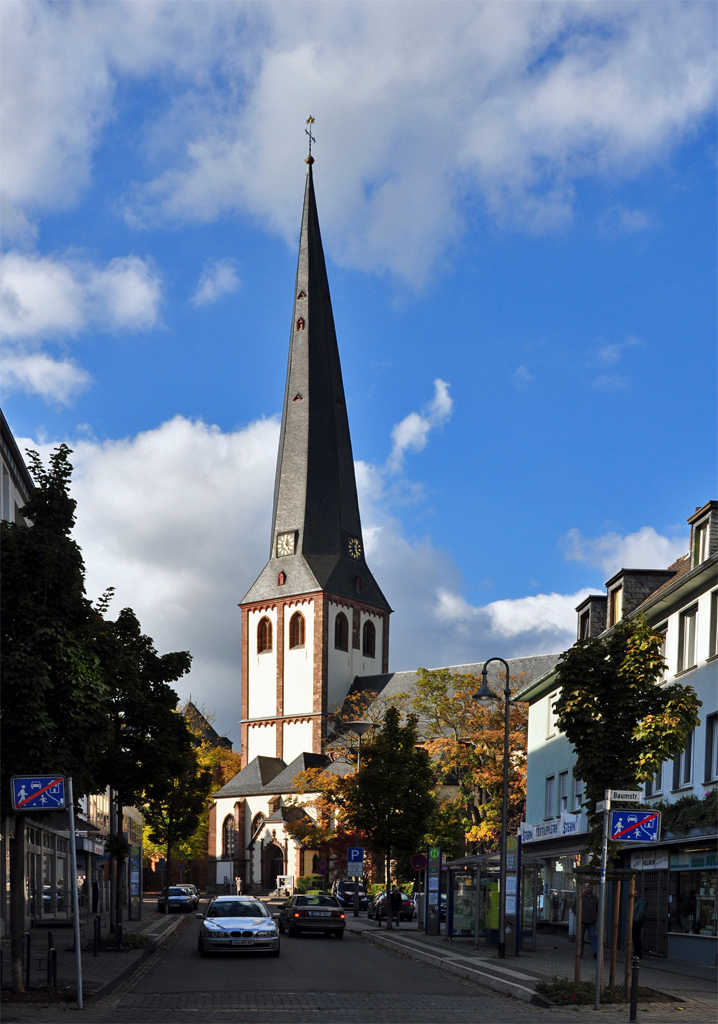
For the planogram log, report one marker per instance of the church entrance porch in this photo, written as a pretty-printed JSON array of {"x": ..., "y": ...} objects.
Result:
[{"x": 272, "y": 866}]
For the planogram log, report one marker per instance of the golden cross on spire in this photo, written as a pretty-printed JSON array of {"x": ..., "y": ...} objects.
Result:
[{"x": 308, "y": 131}]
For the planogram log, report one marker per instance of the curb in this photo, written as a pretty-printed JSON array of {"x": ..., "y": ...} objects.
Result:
[
  {"x": 522, "y": 992},
  {"x": 100, "y": 993}
]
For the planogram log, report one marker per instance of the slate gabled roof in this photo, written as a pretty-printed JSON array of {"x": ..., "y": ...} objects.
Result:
[
  {"x": 284, "y": 781},
  {"x": 315, "y": 495},
  {"x": 253, "y": 779}
]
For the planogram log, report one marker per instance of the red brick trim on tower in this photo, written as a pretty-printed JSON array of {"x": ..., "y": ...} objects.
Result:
[{"x": 280, "y": 677}]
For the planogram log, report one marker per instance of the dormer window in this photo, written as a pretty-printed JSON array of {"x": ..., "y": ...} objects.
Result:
[
  {"x": 615, "y": 605},
  {"x": 584, "y": 625},
  {"x": 700, "y": 543}
]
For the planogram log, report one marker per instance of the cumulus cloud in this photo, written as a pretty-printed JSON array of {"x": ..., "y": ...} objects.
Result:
[
  {"x": 644, "y": 549},
  {"x": 515, "y": 103},
  {"x": 55, "y": 380},
  {"x": 522, "y": 377},
  {"x": 412, "y": 433},
  {"x": 45, "y": 298},
  {"x": 218, "y": 278}
]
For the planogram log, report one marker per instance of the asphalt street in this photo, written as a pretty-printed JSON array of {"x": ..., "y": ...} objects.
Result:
[{"x": 314, "y": 979}]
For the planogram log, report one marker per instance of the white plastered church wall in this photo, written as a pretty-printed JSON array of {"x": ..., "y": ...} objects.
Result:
[
  {"x": 262, "y": 682},
  {"x": 297, "y": 738},
  {"x": 261, "y": 741},
  {"x": 299, "y": 664},
  {"x": 339, "y": 663}
]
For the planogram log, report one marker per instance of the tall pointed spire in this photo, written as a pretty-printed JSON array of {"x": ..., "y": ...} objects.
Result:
[{"x": 316, "y": 541}]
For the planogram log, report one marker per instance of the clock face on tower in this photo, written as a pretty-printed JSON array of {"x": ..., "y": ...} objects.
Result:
[
  {"x": 285, "y": 543},
  {"x": 354, "y": 547}
]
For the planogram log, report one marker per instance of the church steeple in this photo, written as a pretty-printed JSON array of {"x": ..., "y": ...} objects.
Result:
[{"x": 316, "y": 541}]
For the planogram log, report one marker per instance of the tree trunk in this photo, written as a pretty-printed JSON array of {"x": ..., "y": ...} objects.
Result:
[
  {"x": 388, "y": 889},
  {"x": 119, "y": 866},
  {"x": 17, "y": 901},
  {"x": 168, "y": 869}
]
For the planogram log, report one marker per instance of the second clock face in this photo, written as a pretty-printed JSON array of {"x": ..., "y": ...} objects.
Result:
[
  {"x": 354, "y": 547},
  {"x": 285, "y": 544}
]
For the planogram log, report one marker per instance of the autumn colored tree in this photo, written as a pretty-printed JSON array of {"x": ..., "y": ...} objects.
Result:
[
  {"x": 466, "y": 744},
  {"x": 324, "y": 828},
  {"x": 622, "y": 724}
]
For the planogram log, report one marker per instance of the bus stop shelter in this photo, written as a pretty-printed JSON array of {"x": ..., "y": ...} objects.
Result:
[{"x": 472, "y": 899}]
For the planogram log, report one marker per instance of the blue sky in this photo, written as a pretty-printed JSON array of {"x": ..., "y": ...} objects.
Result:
[{"x": 517, "y": 202}]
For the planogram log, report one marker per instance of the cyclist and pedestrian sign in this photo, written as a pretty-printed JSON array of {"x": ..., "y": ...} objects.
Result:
[
  {"x": 635, "y": 826},
  {"x": 38, "y": 792}
]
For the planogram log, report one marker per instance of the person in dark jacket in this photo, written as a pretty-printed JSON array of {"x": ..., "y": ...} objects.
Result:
[
  {"x": 395, "y": 899},
  {"x": 589, "y": 916},
  {"x": 639, "y": 918}
]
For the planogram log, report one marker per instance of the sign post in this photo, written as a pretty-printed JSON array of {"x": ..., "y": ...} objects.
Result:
[
  {"x": 355, "y": 870},
  {"x": 432, "y": 914},
  {"x": 602, "y": 900},
  {"x": 419, "y": 862},
  {"x": 75, "y": 898}
]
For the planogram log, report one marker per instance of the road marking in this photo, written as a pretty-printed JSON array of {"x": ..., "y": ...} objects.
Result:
[{"x": 473, "y": 960}]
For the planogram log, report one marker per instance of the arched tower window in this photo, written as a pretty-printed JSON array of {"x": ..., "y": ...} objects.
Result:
[
  {"x": 264, "y": 635},
  {"x": 300, "y": 324},
  {"x": 341, "y": 632},
  {"x": 369, "y": 640},
  {"x": 297, "y": 630},
  {"x": 229, "y": 837}
]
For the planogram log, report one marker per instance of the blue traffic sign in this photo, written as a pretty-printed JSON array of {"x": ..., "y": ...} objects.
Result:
[
  {"x": 636, "y": 826},
  {"x": 38, "y": 792},
  {"x": 355, "y": 854},
  {"x": 322, "y": 867}
]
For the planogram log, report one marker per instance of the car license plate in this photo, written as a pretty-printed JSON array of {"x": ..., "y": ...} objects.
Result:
[
  {"x": 320, "y": 913},
  {"x": 242, "y": 942}
]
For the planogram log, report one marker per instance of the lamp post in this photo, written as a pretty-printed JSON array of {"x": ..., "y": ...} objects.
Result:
[
  {"x": 486, "y": 697},
  {"x": 358, "y": 728}
]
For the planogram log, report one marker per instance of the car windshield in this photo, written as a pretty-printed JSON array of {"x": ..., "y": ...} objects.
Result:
[
  {"x": 316, "y": 901},
  {"x": 348, "y": 887},
  {"x": 238, "y": 908},
  {"x": 176, "y": 891}
]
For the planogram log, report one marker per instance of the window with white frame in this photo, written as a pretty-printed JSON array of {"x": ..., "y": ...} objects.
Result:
[
  {"x": 615, "y": 609},
  {"x": 551, "y": 723},
  {"x": 713, "y": 639},
  {"x": 562, "y": 792},
  {"x": 711, "y": 767},
  {"x": 683, "y": 765},
  {"x": 577, "y": 794},
  {"x": 654, "y": 787},
  {"x": 550, "y": 796},
  {"x": 700, "y": 543},
  {"x": 688, "y": 628}
]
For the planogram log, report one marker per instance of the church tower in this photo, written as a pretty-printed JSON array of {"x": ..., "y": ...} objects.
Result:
[{"x": 315, "y": 618}]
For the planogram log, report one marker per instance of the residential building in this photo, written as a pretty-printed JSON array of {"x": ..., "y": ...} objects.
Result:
[{"x": 679, "y": 875}]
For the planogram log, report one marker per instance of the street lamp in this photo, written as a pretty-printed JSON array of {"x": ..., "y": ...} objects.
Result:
[
  {"x": 358, "y": 728},
  {"x": 485, "y": 697}
]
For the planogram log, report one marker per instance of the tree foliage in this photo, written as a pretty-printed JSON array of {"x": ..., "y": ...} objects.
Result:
[
  {"x": 621, "y": 722},
  {"x": 466, "y": 744}
]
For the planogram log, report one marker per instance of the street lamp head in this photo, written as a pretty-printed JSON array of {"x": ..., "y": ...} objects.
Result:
[
  {"x": 485, "y": 697},
  {"x": 358, "y": 728}
]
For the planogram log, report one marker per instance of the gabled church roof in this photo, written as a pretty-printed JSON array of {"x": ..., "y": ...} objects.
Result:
[
  {"x": 315, "y": 495},
  {"x": 252, "y": 779}
]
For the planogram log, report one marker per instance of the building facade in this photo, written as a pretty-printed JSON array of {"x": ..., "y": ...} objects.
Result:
[{"x": 679, "y": 876}]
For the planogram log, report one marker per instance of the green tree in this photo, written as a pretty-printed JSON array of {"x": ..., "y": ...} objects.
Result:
[
  {"x": 54, "y": 696},
  {"x": 622, "y": 724},
  {"x": 390, "y": 800},
  {"x": 174, "y": 806},
  {"x": 147, "y": 739}
]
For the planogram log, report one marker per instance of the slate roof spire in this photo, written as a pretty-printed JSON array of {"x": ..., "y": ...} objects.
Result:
[{"x": 315, "y": 495}]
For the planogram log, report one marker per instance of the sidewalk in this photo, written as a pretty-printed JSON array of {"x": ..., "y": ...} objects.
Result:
[
  {"x": 691, "y": 984},
  {"x": 101, "y": 973}
]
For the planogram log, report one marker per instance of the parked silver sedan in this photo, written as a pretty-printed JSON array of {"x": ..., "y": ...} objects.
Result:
[{"x": 234, "y": 924}]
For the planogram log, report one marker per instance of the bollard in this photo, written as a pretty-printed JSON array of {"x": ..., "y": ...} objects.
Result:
[
  {"x": 118, "y": 932},
  {"x": 635, "y": 964},
  {"x": 1, "y": 967},
  {"x": 52, "y": 968},
  {"x": 97, "y": 935}
]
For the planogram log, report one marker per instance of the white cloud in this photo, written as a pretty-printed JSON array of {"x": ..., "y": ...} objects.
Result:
[
  {"x": 507, "y": 106},
  {"x": 412, "y": 433},
  {"x": 218, "y": 278},
  {"x": 644, "y": 549},
  {"x": 522, "y": 378},
  {"x": 43, "y": 296},
  {"x": 56, "y": 380}
]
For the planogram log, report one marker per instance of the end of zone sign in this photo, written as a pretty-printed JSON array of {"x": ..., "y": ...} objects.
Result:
[
  {"x": 38, "y": 792},
  {"x": 635, "y": 826}
]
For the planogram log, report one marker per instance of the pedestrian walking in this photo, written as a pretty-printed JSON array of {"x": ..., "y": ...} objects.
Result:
[
  {"x": 589, "y": 916},
  {"x": 639, "y": 919},
  {"x": 396, "y": 900}
]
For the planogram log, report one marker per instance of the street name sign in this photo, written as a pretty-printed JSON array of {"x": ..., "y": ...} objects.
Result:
[
  {"x": 627, "y": 796},
  {"x": 38, "y": 792},
  {"x": 635, "y": 826}
]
